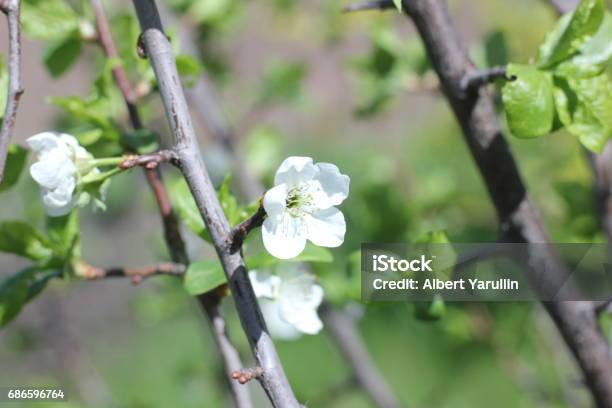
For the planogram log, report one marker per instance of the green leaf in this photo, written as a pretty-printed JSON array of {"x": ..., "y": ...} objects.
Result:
[
  {"x": 571, "y": 32},
  {"x": 281, "y": 83},
  {"x": 311, "y": 253},
  {"x": 15, "y": 162},
  {"x": 398, "y": 5},
  {"x": 60, "y": 55},
  {"x": 142, "y": 141},
  {"x": 188, "y": 211},
  {"x": 584, "y": 106},
  {"x": 22, "y": 239},
  {"x": 203, "y": 276},
  {"x": 47, "y": 19},
  {"x": 20, "y": 288},
  {"x": 593, "y": 55},
  {"x": 528, "y": 101}
]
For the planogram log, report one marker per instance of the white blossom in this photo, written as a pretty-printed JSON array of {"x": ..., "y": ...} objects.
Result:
[
  {"x": 300, "y": 207},
  {"x": 289, "y": 302},
  {"x": 59, "y": 160}
]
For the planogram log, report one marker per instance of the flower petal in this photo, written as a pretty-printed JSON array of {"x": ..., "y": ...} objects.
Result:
[
  {"x": 52, "y": 169},
  {"x": 284, "y": 236},
  {"x": 73, "y": 146},
  {"x": 59, "y": 201},
  {"x": 334, "y": 186},
  {"x": 42, "y": 142},
  {"x": 275, "y": 200},
  {"x": 326, "y": 228},
  {"x": 299, "y": 299},
  {"x": 278, "y": 327},
  {"x": 264, "y": 284},
  {"x": 294, "y": 170}
]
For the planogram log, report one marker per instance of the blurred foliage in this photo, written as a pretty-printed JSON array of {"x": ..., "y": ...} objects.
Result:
[{"x": 409, "y": 178}]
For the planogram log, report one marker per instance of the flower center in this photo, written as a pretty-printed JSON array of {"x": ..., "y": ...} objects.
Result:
[{"x": 300, "y": 201}]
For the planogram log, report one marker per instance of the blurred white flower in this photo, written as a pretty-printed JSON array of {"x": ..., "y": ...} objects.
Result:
[
  {"x": 289, "y": 302},
  {"x": 60, "y": 163},
  {"x": 300, "y": 207}
]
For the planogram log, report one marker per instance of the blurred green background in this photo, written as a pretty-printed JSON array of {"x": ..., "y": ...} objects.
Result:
[{"x": 300, "y": 78}]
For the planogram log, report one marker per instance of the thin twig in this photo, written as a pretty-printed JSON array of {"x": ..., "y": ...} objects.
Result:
[
  {"x": 369, "y": 5},
  {"x": 15, "y": 90},
  {"x": 159, "y": 52},
  {"x": 245, "y": 375},
  {"x": 210, "y": 301},
  {"x": 519, "y": 220},
  {"x": 240, "y": 232},
  {"x": 90, "y": 272},
  {"x": 149, "y": 161},
  {"x": 473, "y": 80}
]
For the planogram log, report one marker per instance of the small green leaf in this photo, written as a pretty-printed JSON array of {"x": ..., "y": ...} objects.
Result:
[
  {"x": 87, "y": 136},
  {"x": 311, "y": 253},
  {"x": 22, "y": 239},
  {"x": 15, "y": 162},
  {"x": 398, "y": 5},
  {"x": 20, "y": 288},
  {"x": 203, "y": 276},
  {"x": 528, "y": 101},
  {"x": 571, "y": 32},
  {"x": 60, "y": 55},
  {"x": 47, "y": 19}
]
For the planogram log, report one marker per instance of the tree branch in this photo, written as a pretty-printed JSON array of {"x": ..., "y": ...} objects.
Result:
[
  {"x": 474, "y": 80},
  {"x": 209, "y": 302},
  {"x": 247, "y": 374},
  {"x": 11, "y": 9},
  {"x": 149, "y": 161},
  {"x": 90, "y": 272},
  {"x": 345, "y": 334},
  {"x": 240, "y": 232},
  {"x": 159, "y": 52},
  {"x": 518, "y": 218}
]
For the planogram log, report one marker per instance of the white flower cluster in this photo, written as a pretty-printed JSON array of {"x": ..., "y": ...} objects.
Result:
[
  {"x": 289, "y": 301},
  {"x": 300, "y": 207},
  {"x": 60, "y": 165}
]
